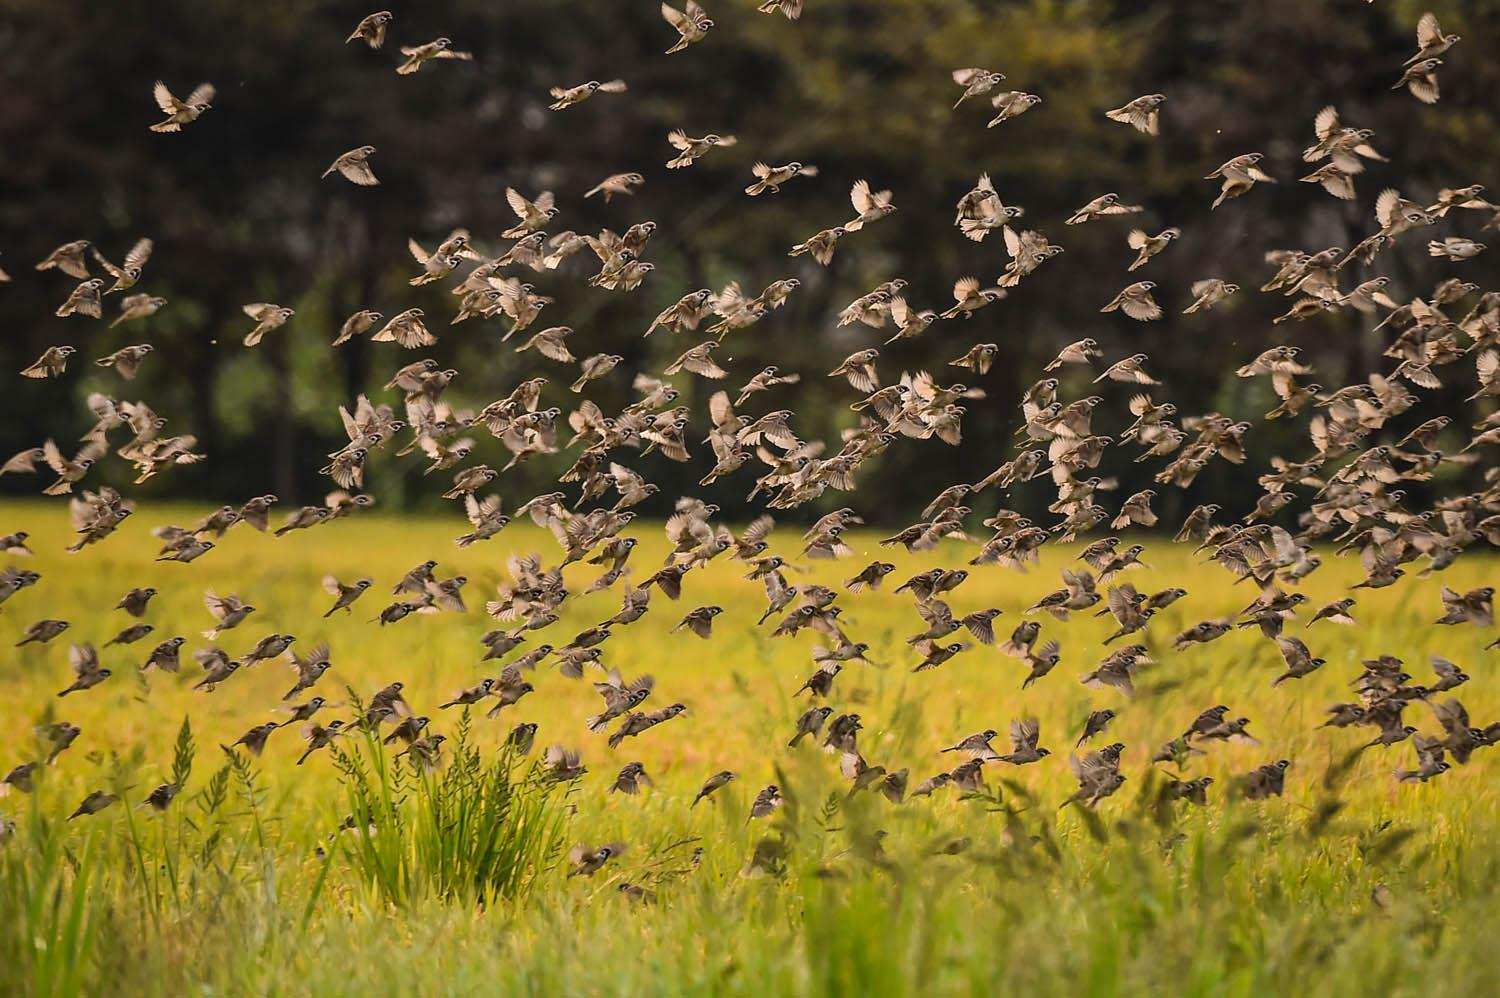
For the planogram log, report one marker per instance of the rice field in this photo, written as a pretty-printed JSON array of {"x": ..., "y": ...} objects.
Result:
[{"x": 253, "y": 882}]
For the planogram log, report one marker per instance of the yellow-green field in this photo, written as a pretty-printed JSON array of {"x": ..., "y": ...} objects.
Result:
[{"x": 263, "y": 895}]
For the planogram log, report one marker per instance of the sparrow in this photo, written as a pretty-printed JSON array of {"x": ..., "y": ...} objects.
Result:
[
  {"x": 1334, "y": 613},
  {"x": 770, "y": 178},
  {"x": 976, "y": 83},
  {"x": 165, "y": 656},
  {"x": 1420, "y": 78},
  {"x": 228, "y": 611},
  {"x": 1266, "y": 781},
  {"x": 820, "y": 245},
  {"x": 267, "y": 317},
  {"x": 319, "y": 736},
  {"x": 137, "y": 307},
  {"x": 700, "y": 621},
  {"x": 438, "y": 48},
  {"x": 1455, "y": 248},
  {"x": 95, "y": 802},
  {"x": 1104, "y": 204},
  {"x": 1136, "y": 301},
  {"x": 619, "y": 183},
  {"x": 1143, "y": 114},
  {"x": 470, "y": 695},
  {"x": 130, "y": 635},
  {"x": 1148, "y": 246},
  {"x": 21, "y": 777},
  {"x": 521, "y": 737},
  {"x": 1011, "y": 104},
  {"x": 630, "y": 778},
  {"x": 690, "y": 150},
  {"x": 1023, "y": 739},
  {"x": 69, "y": 258},
  {"x": 42, "y": 632},
  {"x": 1094, "y": 724},
  {"x": 1476, "y": 606},
  {"x": 86, "y": 670},
  {"x": 161, "y": 798},
  {"x": 869, "y": 206},
  {"x": 371, "y": 29},
  {"x": 790, "y": 9},
  {"x": 587, "y": 861},
  {"x": 268, "y": 648},
  {"x": 354, "y": 166},
  {"x": 1431, "y": 42},
  {"x": 765, "y": 802},
  {"x": 408, "y": 731},
  {"x": 126, "y": 360},
  {"x": 691, "y": 23},
  {"x": 51, "y": 364},
  {"x": 129, "y": 272},
  {"x": 1430, "y": 762},
  {"x": 566, "y": 97},
  {"x": 254, "y": 740},
  {"x": 1334, "y": 179},
  {"x": 970, "y": 298},
  {"x": 357, "y": 324},
  {"x": 1238, "y": 175},
  {"x": 83, "y": 300},
  {"x": 181, "y": 112},
  {"x": 979, "y": 358}
]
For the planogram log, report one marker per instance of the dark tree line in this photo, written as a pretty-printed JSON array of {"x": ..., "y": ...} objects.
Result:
[{"x": 858, "y": 87}]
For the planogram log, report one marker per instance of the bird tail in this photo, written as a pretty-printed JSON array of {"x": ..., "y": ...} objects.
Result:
[{"x": 973, "y": 228}]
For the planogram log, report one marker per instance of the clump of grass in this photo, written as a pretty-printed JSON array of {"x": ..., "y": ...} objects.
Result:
[
  {"x": 48, "y": 906},
  {"x": 476, "y": 832}
]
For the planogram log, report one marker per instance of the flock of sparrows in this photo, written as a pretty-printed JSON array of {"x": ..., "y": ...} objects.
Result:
[{"x": 1346, "y": 487}]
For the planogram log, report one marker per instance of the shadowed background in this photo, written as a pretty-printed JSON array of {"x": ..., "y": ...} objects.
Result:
[{"x": 861, "y": 89}]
